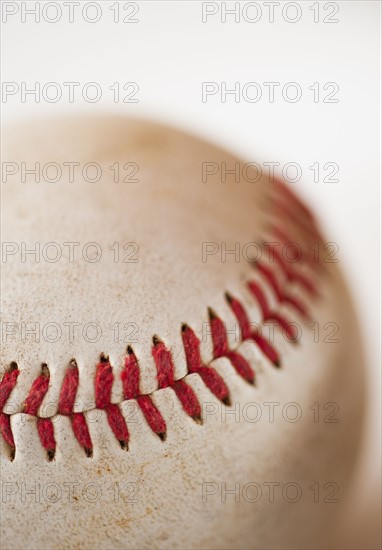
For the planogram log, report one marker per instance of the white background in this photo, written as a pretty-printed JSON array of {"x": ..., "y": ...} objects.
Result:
[{"x": 170, "y": 52}]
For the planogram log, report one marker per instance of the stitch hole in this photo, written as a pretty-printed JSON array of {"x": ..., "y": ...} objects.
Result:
[
  {"x": 211, "y": 313},
  {"x": 45, "y": 370},
  {"x": 88, "y": 452},
  {"x": 129, "y": 350},
  {"x": 162, "y": 436},
  {"x": 228, "y": 297},
  {"x": 37, "y": 391},
  {"x": 156, "y": 340},
  {"x": 12, "y": 454},
  {"x": 104, "y": 358},
  {"x": 51, "y": 454},
  {"x": 73, "y": 364},
  {"x": 124, "y": 445},
  {"x": 13, "y": 366}
]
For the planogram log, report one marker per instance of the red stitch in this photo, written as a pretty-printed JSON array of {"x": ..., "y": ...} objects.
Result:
[
  {"x": 241, "y": 316},
  {"x": 130, "y": 380},
  {"x": 165, "y": 369},
  {"x": 164, "y": 364},
  {"x": 218, "y": 334},
  {"x": 283, "y": 263},
  {"x": 46, "y": 434},
  {"x": 37, "y": 392},
  {"x": 269, "y": 315},
  {"x": 280, "y": 234},
  {"x": 81, "y": 431},
  {"x": 215, "y": 384},
  {"x": 191, "y": 346},
  {"x": 299, "y": 222},
  {"x": 103, "y": 386},
  {"x": 209, "y": 375},
  {"x": 267, "y": 348},
  {"x": 8, "y": 383},
  {"x": 220, "y": 344},
  {"x": 305, "y": 282},
  {"x": 130, "y": 375},
  {"x": 287, "y": 192},
  {"x": 154, "y": 418},
  {"x": 285, "y": 240},
  {"x": 68, "y": 389},
  {"x": 271, "y": 277},
  {"x": 6, "y": 430},
  {"x": 309, "y": 220},
  {"x": 66, "y": 404},
  {"x": 188, "y": 399},
  {"x": 241, "y": 366},
  {"x": 118, "y": 425},
  {"x": 282, "y": 297},
  {"x": 289, "y": 328},
  {"x": 260, "y": 297},
  {"x": 248, "y": 334},
  {"x": 306, "y": 254},
  {"x": 103, "y": 383},
  {"x": 297, "y": 304},
  {"x": 32, "y": 404},
  {"x": 292, "y": 275}
]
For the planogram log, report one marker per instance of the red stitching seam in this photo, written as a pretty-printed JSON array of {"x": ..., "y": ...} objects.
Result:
[{"x": 130, "y": 375}]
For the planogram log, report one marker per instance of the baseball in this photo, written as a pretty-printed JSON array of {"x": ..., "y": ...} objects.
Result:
[{"x": 180, "y": 363}]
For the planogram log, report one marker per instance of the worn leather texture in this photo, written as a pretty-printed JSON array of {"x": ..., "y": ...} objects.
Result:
[{"x": 171, "y": 493}]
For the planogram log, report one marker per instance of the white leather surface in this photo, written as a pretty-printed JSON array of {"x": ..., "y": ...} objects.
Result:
[{"x": 169, "y": 214}]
